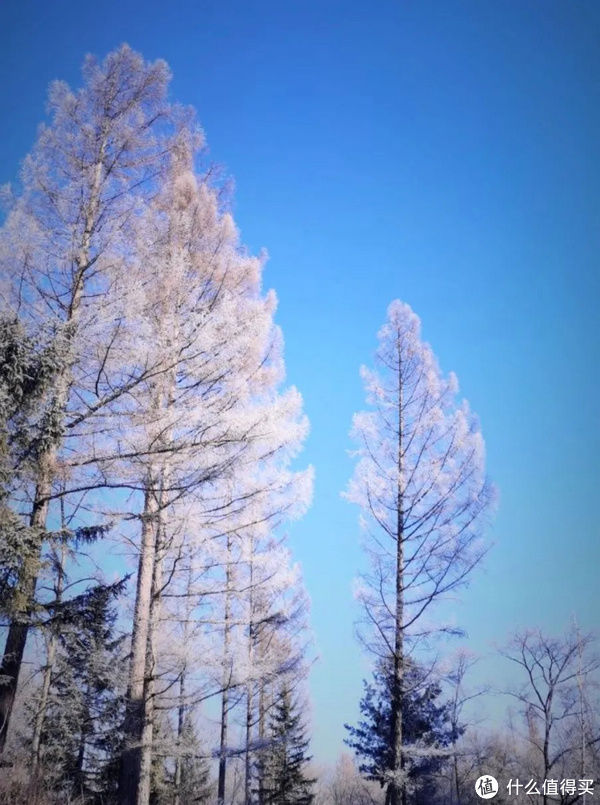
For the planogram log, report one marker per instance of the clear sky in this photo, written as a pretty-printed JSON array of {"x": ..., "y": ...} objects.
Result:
[{"x": 446, "y": 153}]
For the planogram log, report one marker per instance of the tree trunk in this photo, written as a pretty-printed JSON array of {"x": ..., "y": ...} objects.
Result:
[
  {"x": 129, "y": 773},
  {"x": 261, "y": 740},
  {"x": 547, "y": 731},
  {"x": 226, "y": 683},
  {"x": 136, "y": 755},
  {"x": 251, "y": 637},
  {"x": 19, "y": 626},
  {"x": 182, "y": 708},
  {"x": 456, "y": 780},
  {"x": 180, "y": 725},
  {"x": 51, "y": 654},
  {"x": 145, "y": 772},
  {"x": 398, "y": 789},
  {"x": 223, "y": 748},
  {"x": 248, "y": 755},
  {"x": 41, "y": 713}
]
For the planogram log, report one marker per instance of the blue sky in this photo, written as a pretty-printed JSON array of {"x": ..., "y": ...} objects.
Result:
[{"x": 442, "y": 152}]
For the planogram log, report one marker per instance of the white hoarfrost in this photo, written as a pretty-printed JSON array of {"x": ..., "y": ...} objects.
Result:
[{"x": 420, "y": 483}]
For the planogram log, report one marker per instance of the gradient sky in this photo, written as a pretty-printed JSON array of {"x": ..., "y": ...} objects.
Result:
[{"x": 442, "y": 152}]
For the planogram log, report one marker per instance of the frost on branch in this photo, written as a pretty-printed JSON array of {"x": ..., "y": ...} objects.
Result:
[
  {"x": 420, "y": 483},
  {"x": 419, "y": 478}
]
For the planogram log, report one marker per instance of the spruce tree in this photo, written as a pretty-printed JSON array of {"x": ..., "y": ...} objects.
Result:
[
  {"x": 426, "y": 725},
  {"x": 84, "y": 710},
  {"x": 192, "y": 783},
  {"x": 28, "y": 364},
  {"x": 282, "y": 768},
  {"x": 180, "y": 773}
]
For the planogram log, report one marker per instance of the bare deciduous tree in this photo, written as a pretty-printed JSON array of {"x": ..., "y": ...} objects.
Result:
[{"x": 559, "y": 730}]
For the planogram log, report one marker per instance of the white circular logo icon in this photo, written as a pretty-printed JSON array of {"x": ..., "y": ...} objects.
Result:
[{"x": 486, "y": 787}]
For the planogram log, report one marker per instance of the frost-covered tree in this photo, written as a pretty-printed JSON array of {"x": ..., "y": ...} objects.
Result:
[
  {"x": 275, "y": 609},
  {"x": 344, "y": 785},
  {"x": 82, "y": 707},
  {"x": 28, "y": 365},
  {"x": 557, "y": 676},
  {"x": 426, "y": 724},
  {"x": 285, "y": 780},
  {"x": 163, "y": 409},
  {"x": 209, "y": 438},
  {"x": 244, "y": 595},
  {"x": 458, "y": 700},
  {"x": 261, "y": 602},
  {"x": 191, "y": 779},
  {"x": 422, "y": 490},
  {"x": 61, "y": 258}
]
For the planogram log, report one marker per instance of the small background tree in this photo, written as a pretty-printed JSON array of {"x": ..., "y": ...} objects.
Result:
[
  {"x": 284, "y": 763},
  {"x": 556, "y": 702}
]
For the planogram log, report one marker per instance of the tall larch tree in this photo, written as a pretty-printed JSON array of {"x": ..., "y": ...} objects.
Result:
[
  {"x": 154, "y": 391},
  {"x": 61, "y": 250},
  {"x": 211, "y": 416},
  {"x": 421, "y": 486}
]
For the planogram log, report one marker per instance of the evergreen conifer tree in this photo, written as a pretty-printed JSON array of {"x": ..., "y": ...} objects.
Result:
[
  {"x": 194, "y": 783},
  {"x": 426, "y": 725},
  {"x": 187, "y": 780},
  {"x": 28, "y": 364},
  {"x": 283, "y": 764},
  {"x": 84, "y": 710}
]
